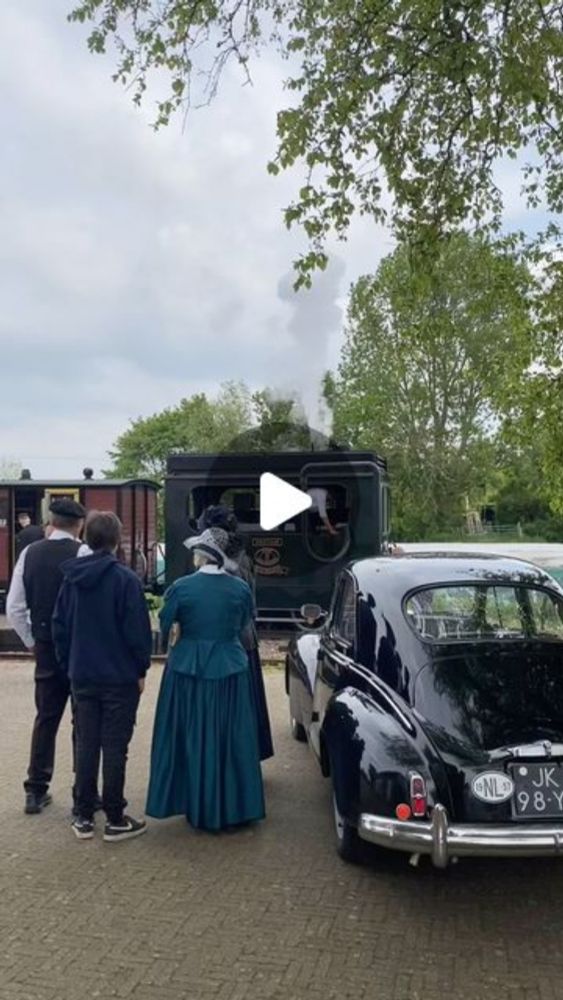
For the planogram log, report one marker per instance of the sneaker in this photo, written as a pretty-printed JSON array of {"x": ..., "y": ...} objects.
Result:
[
  {"x": 83, "y": 828},
  {"x": 35, "y": 802},
  {"x": 126, "y": 829}
]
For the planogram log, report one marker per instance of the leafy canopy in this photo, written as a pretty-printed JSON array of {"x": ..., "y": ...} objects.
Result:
[
  {"x": 427, "y": 364},
  {"x": 195, "y": 424},
  {"x": 235, "y": 420},
  {"x": 419, "y": 99}
]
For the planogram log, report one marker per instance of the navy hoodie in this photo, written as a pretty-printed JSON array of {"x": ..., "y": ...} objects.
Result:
[{"x": 101, "y": 625}]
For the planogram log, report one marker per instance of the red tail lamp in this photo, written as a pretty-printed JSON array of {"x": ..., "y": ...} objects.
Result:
[{"x": 418, "y": 796}]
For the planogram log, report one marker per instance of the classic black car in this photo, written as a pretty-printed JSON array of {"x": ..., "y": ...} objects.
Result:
[{"x": 433, "y": 699}]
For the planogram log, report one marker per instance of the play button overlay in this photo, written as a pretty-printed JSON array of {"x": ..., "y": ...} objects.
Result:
[{"x": 279, "y": 501}]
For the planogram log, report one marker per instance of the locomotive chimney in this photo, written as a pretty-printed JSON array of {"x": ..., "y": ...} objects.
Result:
[
  {"x": 25, "y": 474},
  {"x": 88, "y": 473}
]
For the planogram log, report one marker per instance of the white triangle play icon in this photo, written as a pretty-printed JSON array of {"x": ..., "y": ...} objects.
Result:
[{"x": 279, "y": 501}]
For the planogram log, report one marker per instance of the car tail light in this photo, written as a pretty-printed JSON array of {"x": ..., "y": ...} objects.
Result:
[
  {"x": 418, "y": 795},
  {"x": 403, "y": 811}
]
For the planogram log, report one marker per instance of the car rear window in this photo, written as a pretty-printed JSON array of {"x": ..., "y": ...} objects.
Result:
[{"x": 446, "y": 614}]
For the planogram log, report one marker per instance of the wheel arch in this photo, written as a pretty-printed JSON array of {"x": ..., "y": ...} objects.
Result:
[{"x": 370, "y": 755}]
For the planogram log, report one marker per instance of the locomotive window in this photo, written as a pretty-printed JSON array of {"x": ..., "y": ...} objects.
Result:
[{"x": 243, "y": 500}]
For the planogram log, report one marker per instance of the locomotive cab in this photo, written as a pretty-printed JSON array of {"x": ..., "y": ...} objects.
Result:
[{"x": 296, "y": 563}]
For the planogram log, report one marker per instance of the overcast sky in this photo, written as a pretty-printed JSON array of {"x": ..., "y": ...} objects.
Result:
[{"x": 137, "y": 268}]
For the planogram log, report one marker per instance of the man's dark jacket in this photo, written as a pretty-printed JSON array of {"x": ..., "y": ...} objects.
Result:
[{"x": 101, "y": 625}]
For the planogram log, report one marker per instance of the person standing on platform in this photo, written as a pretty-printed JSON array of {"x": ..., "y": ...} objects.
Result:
[
  {"x": 31, "y": 599},
  {"x": 27, "y": 533},
  {"x": 205, "y": 762},
  {"x": 239, "y": 564},
  {"x": 103, "y": 639}
]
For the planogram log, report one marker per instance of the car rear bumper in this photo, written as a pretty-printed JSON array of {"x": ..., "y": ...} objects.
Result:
[{"x": 444, "y": 841}]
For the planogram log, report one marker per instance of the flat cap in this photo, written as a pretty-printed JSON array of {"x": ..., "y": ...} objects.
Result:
[{"x": 67, "y": 508}]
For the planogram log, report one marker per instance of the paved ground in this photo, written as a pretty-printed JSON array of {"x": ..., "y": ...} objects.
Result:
[{"x": 267, "y": 913}]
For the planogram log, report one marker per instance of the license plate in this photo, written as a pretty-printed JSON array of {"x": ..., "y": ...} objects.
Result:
[{"x": 538, "y": 792}]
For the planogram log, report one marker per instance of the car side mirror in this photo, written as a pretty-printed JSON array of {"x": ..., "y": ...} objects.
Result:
[{"x": 312, "y": 613}]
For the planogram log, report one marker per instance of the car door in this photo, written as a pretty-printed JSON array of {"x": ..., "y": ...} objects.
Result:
[{"x": 336, "y": 653}]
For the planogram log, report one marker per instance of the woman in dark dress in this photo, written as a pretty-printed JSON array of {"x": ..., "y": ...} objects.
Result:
[
  {"x": 205, "y": 762},
  {"x": 240, "y": 565}
]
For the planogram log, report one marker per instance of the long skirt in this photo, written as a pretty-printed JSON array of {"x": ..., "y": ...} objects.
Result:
[
  {"x": 205, "y": 762},
  {"x": 265, "y": 743}
]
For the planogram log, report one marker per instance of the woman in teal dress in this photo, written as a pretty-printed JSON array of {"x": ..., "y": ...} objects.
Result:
[{"x": 205, "y": 762}]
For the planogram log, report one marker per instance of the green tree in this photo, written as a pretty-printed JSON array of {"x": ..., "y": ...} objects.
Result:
[
  {"x": 417, "y": 98},
  {"x": 426, "y": 365},
  {"x": 196, "y": 424},
  {"x": 536, "y": 424}
]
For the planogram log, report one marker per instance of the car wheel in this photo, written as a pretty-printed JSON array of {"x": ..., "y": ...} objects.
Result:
[
  {"x": 298, "y": 731},
  {"x": 347, "y": 839}
]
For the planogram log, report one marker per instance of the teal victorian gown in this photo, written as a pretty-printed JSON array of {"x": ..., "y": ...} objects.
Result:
[{"x": 205, "y": 762}]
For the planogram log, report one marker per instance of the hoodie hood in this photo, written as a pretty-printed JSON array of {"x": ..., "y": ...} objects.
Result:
[{"x": 88, "y": 571}]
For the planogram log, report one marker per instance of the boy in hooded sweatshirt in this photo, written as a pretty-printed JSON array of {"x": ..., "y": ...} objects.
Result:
[{"x": 102, "y": 636}]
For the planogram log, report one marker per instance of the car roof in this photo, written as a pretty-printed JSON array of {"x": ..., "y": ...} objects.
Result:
[{"x": 402, "y": 573}]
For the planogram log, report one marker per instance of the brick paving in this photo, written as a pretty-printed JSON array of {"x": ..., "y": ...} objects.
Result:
[{"x": 266, "y": 914}]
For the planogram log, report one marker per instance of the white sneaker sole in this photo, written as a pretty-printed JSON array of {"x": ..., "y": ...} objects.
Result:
[
  {"x": 116, "y": 838},
  {"x": 80, "y": 835}
]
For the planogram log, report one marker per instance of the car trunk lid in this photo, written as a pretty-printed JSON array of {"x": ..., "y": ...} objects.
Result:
[{"x": 487, "y": 706}]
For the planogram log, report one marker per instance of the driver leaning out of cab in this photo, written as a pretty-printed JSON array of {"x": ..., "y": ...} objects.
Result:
[{"x": 319, "y": 497}]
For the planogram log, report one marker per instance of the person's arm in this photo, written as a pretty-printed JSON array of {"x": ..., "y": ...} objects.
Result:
[
  {"x": 248, "y": 610},
  {"x": 136, "y": 625},
  {"x": 17, "y": 610},
  {"x": 61, "y": 626},
  {"x": 168, "y": 612},
  {"x": 321, "y": 499}
]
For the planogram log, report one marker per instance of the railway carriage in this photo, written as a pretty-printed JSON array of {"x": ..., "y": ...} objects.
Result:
[{"x": 133, "y": 500}]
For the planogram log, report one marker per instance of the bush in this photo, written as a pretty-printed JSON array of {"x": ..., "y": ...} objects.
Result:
[
  {"x": 550, "y": 529},
  {"x": 154, "y": 602}
]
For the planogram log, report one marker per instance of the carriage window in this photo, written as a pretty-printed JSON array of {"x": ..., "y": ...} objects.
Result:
[
  {"x": 449, "y": 613},
  {"x": 344, "y": 621}
]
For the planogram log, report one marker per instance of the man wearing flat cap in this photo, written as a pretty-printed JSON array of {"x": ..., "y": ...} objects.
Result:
[{"x": 30, "y": 603}]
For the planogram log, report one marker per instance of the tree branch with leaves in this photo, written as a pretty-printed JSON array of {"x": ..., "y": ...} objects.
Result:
[{"x": 420, "y": 99}]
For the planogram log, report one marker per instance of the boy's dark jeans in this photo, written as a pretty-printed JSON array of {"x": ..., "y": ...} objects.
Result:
[{"x": 104, "y": 717}]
